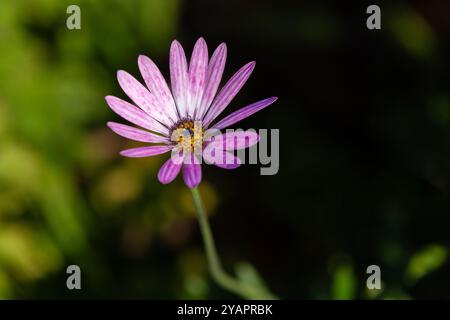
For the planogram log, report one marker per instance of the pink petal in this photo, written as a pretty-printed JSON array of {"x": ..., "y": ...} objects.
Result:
[
  {"x": 228, "y": 92},
  {"x": 197, "y": 75},
  {"x": 157, "y": 85},
  {"x": 244, "y": 113},
  {"x": 145, "y": 151},
  {"x": 179, "y": 77},
  {"x": 221, "y": 158},
  {"x": 234, "y": 140},
  {"x": 192, "y": 174},
  {"x": 170, "y": 169},
  {"x": 135, "y": 115},
  {"x": 136, "y": 134},
  {"x": 213, "y": 77},
  {"x": 143, "y": 98}
]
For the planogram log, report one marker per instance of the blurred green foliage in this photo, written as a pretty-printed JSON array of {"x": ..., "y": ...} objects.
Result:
[
  {"x": 61, "y": 180},
  {"x": 343, "y": 285}
]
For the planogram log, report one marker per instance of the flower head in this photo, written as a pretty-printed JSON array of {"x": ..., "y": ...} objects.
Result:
[{"x": 183, "y": 120}]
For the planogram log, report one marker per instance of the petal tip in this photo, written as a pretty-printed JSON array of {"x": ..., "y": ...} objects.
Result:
[
  {"x": 192, "y": 175},
  {"x": 231, "y": 167},
  {"x": 222, "y": 48},
  {"x": 142, "y": 58},
  {"x": 192, "y": 185},
  {"x": 175, "y": 43},
  {"x": 109, "y": 98},
  {"x": 249, "y": 66},
  {"x": 162, "y": 179},
  {"x": 121, "y": 74},
  {"x": 124, "y": 153}
]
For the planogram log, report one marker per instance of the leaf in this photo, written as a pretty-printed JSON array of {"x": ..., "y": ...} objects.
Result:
[
  {"x": 344, "y": 282},
  {"x": 425, "y": 261},
  {"x": 248, "y": 275}
]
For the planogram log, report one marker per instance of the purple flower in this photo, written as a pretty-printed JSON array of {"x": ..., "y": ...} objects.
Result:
[{"x": 182, "y": 120}]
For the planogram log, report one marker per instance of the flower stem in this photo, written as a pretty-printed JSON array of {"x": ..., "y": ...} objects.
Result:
[{"x": 219, "y": 275}]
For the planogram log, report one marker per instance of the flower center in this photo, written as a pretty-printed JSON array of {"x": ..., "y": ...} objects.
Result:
[{"x": 188, "y": 135}]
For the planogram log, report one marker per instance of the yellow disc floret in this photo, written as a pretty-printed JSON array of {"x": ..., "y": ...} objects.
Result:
[{"x": 188, "y": 135}]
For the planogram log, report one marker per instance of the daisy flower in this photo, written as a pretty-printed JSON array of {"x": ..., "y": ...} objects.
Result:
[{"x": 183, "y": 120}]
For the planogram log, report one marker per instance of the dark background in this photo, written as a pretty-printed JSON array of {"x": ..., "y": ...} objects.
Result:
[{"x": 364, "y": 119}]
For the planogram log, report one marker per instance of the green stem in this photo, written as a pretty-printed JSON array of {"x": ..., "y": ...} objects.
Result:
[{"x": 215, "y": 267}]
